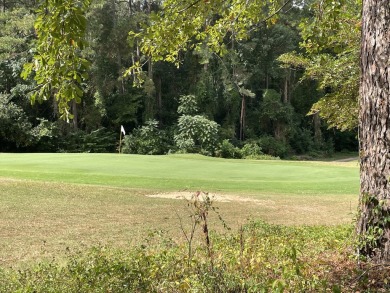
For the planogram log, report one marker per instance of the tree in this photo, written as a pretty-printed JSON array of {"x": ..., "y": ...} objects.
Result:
[
  {"x": 186, "y": 25},
  {"x": 331, "y": 38},
  {"x": 373, "y": 224},
  {"x": 195, "y": 133},
  {"x": 58, "y": 66}
]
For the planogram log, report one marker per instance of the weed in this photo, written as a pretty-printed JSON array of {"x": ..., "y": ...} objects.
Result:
[{"x": 259, "y": 258}]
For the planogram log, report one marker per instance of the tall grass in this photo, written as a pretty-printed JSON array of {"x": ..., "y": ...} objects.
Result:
[{"x": 260, "y": 258}]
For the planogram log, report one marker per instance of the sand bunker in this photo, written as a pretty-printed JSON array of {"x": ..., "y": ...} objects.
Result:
[{"x": 214, "y": 196}]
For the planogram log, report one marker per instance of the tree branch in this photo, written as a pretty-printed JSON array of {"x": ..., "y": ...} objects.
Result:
[{"x": 270, "y": 16}]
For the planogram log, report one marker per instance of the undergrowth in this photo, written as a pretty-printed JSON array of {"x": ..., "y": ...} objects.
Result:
[{"x": 258, "y": 258}]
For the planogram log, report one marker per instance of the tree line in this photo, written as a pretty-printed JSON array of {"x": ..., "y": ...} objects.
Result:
[{"x": 269, "y": 89}]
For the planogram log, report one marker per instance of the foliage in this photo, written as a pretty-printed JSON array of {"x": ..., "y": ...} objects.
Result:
[
  {"x": 302, "y": 141},
  {"x": 147, "y": 140},
  {"x": 97, "y": 141},
  {"x": 233, "y": 89},
  {"x": 377, "y": 220},
  {"x": 14, "y": 125},
  {"x": 273, "y": 108},
  {"x": 273, "y": 147},
  {"x": 184, "y": 25},
  {"x": 228, "y": 150},
  {"x": 259, "y": 258},
  {"x": 187, "y": 105},
  {"x": 251, "y": 150},
  {"x": 58, "y": 66},
  {"x": 196, "y": 133},
  {"x": 16, "y": 32},
  {"x": 331, "y": 42},
  {"x": 199, "y": 208}
]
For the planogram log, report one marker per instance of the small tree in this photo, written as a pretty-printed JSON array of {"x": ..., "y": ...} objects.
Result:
[{"x": 195, "y": 133}]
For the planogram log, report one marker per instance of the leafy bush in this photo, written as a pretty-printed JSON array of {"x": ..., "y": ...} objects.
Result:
[
  {"x": 15, "y": 128},
  {"x": 302, "y": 141},
  {"x": 187, "y": 105},
  {"x": 259, "y": 258},
  {"x": 228, "y": 150},
  {"x": 273, "y": 147},
  {"x": 97, "y": 141},
  {"x": 251, "y": 150},
  {"x": 146, "y": 140},
  {"x": 196, "y": 134}
]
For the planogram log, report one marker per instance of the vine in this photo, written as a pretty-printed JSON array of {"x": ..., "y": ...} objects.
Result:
[{"x": 375, "y": 219}]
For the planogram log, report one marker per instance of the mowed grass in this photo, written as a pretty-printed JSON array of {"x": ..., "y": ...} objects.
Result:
[
  {"x": 191, "y": 172},
  {"x": 52, "y": 203}
]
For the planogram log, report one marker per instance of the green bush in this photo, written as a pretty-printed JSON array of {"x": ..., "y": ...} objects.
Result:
[
  {"x": 97, "y": 141},
  {"x": 187, "y": 105},
  {"x": 228, "y": 150},
  {"x": 196, "y": 134},
  {"x": 147, "y": 140},
  {"x": 302, "y": 141},
  {"x": 251, "y": 150},
  {"x": 273, "y": 147},
  {"x": 259, "y": 258}
]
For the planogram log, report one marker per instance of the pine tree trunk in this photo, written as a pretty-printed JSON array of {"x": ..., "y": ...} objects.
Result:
[
  {"x": 317, "y": 128},
  {"x": 373, "y": 226},
  {"x": 242, "y": 118},
  {"x": 157, "y": 83},
  {"x": 286, "y": 98},
  {"x": 75, "y": 115}
]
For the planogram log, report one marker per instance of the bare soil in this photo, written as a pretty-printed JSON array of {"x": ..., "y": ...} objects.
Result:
[{"x": 218, "y": 197}]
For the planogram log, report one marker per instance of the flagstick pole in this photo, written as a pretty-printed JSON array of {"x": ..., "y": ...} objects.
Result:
[{"x": 120, "y": 141}]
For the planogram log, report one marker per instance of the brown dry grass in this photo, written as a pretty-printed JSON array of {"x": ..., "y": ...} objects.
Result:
[{"x": 45, "y": 220}]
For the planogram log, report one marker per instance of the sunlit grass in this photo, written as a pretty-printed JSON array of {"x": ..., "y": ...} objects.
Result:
[
  {"x": 185, "y": 172},
  {"x": 50, "y": 203}
]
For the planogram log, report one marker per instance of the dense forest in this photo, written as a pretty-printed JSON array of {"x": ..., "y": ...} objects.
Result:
[{"x": 287, "y": 90}]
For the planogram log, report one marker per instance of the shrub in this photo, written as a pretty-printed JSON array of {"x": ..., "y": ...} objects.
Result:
[
  {"x": 196, "y": 134},
  {"x": 228, "y": 150},
  {"x": 273, "y": 147},
  {"x": 97, "y": 141},
  {"x": 251, "y": 150},
  {"x": 302, "y": 141},
  {"x": 147, "y": 140},
  {"x": 259, "y": 258},
  {"x": 187, "y": 105}
]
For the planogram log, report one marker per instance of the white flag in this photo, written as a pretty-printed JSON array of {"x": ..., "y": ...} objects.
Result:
[{"x": 123, "y": 130}]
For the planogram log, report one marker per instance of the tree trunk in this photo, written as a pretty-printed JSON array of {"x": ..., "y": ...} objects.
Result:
[
  {"x": 158, "y": 99},
  {"x": 317, "y": 128},
  {"x": 373, "y": 226},
  {"x": 75, "y": 115},
  {"x": 242, "y": 118},
  {"x": 286, "y": 98}
]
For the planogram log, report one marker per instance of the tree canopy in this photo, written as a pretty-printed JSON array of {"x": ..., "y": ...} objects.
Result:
[{"x": 83, "y": 59}]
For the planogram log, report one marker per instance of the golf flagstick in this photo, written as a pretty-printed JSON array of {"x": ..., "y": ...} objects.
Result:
[{"x": 120, "y": 137}]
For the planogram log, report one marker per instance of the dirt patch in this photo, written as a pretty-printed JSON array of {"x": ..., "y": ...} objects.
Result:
[{"x": 214, "y": 196}]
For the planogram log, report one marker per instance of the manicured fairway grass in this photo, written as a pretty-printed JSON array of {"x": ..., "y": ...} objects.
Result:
[
  {"x": 185, "y": 172},
  {"x": 50, "y": 203}
]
